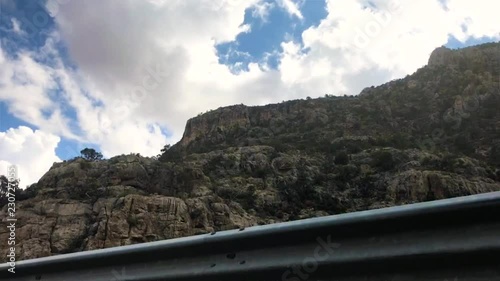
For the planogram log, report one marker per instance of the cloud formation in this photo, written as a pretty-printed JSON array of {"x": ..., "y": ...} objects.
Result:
[
  {"x": 32, "y": 151},
  {"x": 142, "y": 68},
  {"x": 291, "y": 7}
]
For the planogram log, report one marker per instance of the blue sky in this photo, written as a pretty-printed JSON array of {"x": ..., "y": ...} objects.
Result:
[
  {"x": 34, "y": 19},
  {"x": 453, "y": 43},
  {"x": 37, "y": 23},
  {"x": 267, "y": 34},
  {"x": 26, "y": 26}
]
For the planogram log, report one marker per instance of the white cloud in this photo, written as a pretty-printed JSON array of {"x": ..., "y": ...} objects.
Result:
[
  {"x": 174, "y": 39},
  {"x": 262, "y": 10},
  {"x": 291, "y": 8},
  {"x": 25, "y": 85},
  {"x": 32, "y": 151},
  {"x": 479, "y": 17},
  {"x": 366, "y": 46},
  {"x": 16, "y": 26}
]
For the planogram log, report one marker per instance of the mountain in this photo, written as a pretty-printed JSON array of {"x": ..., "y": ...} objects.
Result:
[{"x": 431, "y": 135}]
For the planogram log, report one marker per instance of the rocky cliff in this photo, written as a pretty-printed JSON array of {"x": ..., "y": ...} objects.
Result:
[{"x": 432, "y": 135}]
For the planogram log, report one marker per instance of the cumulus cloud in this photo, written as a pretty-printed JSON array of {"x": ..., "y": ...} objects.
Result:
[
  {"x": 474, "y": 19},
  {"x": 262, "y": 9},
  {"x": 146, "y": 66},
  {"x": 371, "y": 42},
  {"x": 16, "y": 26},
  {"x": 159, "y": 67},
  {"x": 33, "y": 152},
  {"x": 291, "y": 8},
  {"x": 26, "y": 86},
  {"x": 150, "y": 67}
]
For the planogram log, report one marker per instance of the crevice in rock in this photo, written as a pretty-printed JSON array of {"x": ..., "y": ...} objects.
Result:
[
  {"x": 91, "y": 228},
  {"x": 51, "y": 234},
  {"x": 77, "y": 244},
  {"x": 430, "y": 195},
  {"x": 107, "y": 222},
  {"x": 105, "y": 227},
  {"x": 129, "y": 215}
]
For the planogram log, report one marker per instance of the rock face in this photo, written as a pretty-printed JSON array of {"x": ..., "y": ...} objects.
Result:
[
  {"x": 432, "y": 135},
  {"x": 441, "y": 56},
  {"x": 216, "y": 123}
]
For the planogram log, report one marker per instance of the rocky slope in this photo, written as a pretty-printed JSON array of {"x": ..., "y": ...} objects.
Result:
[{"x": 432, "y": 135}]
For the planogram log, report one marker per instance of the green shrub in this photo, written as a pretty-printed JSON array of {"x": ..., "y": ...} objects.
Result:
[
  {"x": 349, "y": 146},
  {"x": 346, "y": 173},
  {"x": 86, "y": 191},
  {"x": 463, "y": 144},
  {"x": 383, "y": 160},
  {"x": 40, "y": 210},
  {"x": 341, "y": 158},
  {"x": 278, "y": 145},
  {"x": 132, "y": 220},
  {"x": 126, "y": 192},
  {"x": 85, "y": 165},
  {"x": 448, "y": 162},
  {"x": 245, "y": 197},
  {"x": 90, "y": 154},
  {"x": 172, "y": 154},
  {"x": 431, "y": 162},
  {"x": 494, "y": 156}
]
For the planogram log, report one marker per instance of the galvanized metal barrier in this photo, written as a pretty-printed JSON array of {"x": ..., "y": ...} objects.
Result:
[{"x": 452, "y": 239}]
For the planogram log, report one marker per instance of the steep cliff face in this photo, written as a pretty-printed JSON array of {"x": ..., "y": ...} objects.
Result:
[
  {"x": 432, "y": 135},
  {"x": 451, "y": 104},
  {"x": 82, "y": 205},
  {"x": 216, "y": 124},
  {"x": 441, "y": 56}
]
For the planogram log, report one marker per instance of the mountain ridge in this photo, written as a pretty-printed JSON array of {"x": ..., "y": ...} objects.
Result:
[{"x": 431, "y": 135}]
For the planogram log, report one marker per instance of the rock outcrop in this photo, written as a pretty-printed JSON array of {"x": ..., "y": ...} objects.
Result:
[{"x": 432, "y": 135}]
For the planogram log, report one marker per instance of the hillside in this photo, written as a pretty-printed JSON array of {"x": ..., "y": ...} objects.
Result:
[{"x": 431, "y": 135}]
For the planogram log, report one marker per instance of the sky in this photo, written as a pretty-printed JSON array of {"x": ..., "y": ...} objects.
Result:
[{"x": 124, "y": 76}]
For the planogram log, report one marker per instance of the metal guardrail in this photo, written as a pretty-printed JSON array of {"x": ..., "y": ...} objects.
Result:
[{"x": 452, "y": 239}]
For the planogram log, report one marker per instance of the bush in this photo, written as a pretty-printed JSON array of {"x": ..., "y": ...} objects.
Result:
[
  {"x": 296, "y": 193},
  {"x": 6, "y": 187},
  {"x": 132, "y": 220},
  {"x": 278, "y": 145},
  {"x": 75, "y": 245},
  {"x": 494, "y": 156},
  {"x": 383, "y": 160},
  {"x": 27, "y": 193},
  {"x": 28, "y": 205},
  {"x": 41, "y": 211},
  {"x": 448, "y": 162},
  {"x": 367, "y": 188},
  {"x": 346, "y": 173},
  {"x": 341, "y": 158},
  {"x": 85, "y": 165},
  {"x": 349, "y": 146},
  {"x": 85, "y": 191},
  {"x": 245, "y": 197},
  {"x": 170, "y": 155},
  {"x": 431, "y": 162},
  {"x": 463, "y": 144},
  {"x": 90, "y": 154},
  {"x": 396, "y": 140}
]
